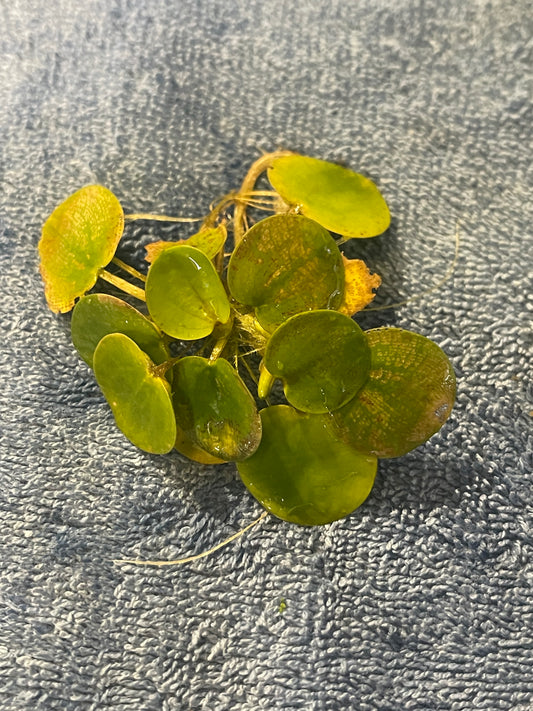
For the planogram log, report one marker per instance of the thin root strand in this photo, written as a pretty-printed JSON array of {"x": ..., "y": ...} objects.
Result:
[
  {"x": 190, "y": 559},
  {"x": 160, "y": 218}
]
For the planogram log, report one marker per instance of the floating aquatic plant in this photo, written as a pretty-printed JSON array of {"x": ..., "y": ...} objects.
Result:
[{"x": 275, "y": 303}]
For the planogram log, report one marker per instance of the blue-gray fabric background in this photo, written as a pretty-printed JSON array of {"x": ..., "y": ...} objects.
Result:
[{"x": 422, "y": 598}]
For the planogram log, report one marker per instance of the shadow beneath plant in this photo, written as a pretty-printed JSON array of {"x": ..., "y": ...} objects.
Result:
[
  {"x": 420, "y": 482},
  {"x": 214, "y": 489},
  {"x": 222, "y": 494}
]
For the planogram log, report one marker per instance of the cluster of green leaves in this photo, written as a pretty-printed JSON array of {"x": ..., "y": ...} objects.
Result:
[{"x": 282, "y": 300}]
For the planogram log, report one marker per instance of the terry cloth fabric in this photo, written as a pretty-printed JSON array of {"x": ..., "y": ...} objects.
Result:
[{"x": 422, "y": 598}]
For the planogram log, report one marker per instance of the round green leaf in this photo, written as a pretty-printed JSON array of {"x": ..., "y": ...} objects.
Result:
[
  {"x": 339, "y": 199},
  {"x": 408, "y": 396},
  {"x": 322, "y": 358},
  {"x": 96, "y": 315},
  {"x": 284, "y": 265},
  {"x": 215, "y": 409},
  {"x": 78, "y": 239},
  {"x": 302, "y": 473},
  {"x": 139, "y": 397},
  {"x": 184, "y": 294}
]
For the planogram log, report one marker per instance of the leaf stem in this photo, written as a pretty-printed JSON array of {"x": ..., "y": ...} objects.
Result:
[
  {"x": 251, "y": 373},
  {"x": 160, "y": 218},
  {"x": 160, "y": 370},
  {"x": 259, "y": 205},
  {"x": 225, "y": 331},
  {"x": 129, "y": 270},
  {"x": 216, "y": 208},
  {"x": 258, "y": 193},
  {"x": 266, "y": 381},
  {"x": 122, "y": 284},
  {"x": 258, "y": 167}
]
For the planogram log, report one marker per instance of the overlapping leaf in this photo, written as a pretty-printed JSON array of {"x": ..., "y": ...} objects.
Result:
[
  {"x": 138, "y": 396},
  {"x": 284, "y": 265},
  {"x": 302, "y": 473},
  {"x": 339, "y": 199},
  {"x": 184, "y": 445},
  {"x": 408, "y": 396},
  {"x": 353, "y": 396},
  {"x": 96, "y": 315},
  {"x": 214, "y": 409},
  {"x": 78, "y": 239},
  {"x": 321, "y": 356},
  {"x": 209, "y": 241},
  {"x": 184, "y": 294}
]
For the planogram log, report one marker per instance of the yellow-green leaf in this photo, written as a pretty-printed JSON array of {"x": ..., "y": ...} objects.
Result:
[
  {"x": 137, "y": 394},
  {"x": 184, "y": 294},
  {"x": 96, "y": 315},
  {"x": 208, "y": 240},
  {"x": 214, "y": 408},
  {"x": 339, "y": 199},
  {"x": 78, "y": 239}
]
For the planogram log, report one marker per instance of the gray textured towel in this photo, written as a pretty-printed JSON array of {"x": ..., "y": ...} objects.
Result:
[{"x": 422, "y": 598}]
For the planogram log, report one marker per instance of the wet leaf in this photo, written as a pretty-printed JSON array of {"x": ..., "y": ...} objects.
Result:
[
  {"x": 78, "y": 239},
  {"x": 138, "y": 396},
  {"x": 209, "y": 241},
  {"x": 322, "y": 358},
  {"x": 408, "y": 396},
  {"x": 284, "y": 265},
  {"x": 214, "y": 408},
  {"x": 339, "y": 199},
  {"x": 96, "y": 315},
  {"x": 302, "y": 473},
  {"x": 184, "y": 445},
  {"x": 359, "y": 286},
  {"x": 184, "y": 294}
]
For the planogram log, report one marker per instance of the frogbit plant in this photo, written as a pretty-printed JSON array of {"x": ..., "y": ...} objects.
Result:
[{"x": 177, "y": 371}]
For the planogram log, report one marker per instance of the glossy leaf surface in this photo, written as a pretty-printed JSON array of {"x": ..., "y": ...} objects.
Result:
[
  {"x": 407, "y": 398},
  {"x": 322, "y": 358},
  {"x": 139, "y": 398},
  {"x": 302, "y": 473},
  {"x": 184, "y": 445},
  {"x": 284, "y": 265},
  {"x": 96, "y": 315},
  {"x": 214, "y": 408},
  {"x": 339, "y": 199},
  {"x": 209, "y": 241},
  {"x": 184, "y": 294},
  {"x": 78, "y": 239}
]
